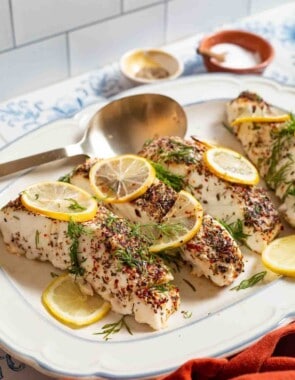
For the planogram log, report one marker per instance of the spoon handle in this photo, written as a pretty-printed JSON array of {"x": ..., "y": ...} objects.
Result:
[{"x": 40, "y": 158}]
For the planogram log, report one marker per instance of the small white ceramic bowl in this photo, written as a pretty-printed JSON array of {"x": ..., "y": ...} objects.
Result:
[{"x": 150, "y": 65}]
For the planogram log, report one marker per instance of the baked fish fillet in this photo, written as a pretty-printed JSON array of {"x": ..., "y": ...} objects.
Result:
[
  {"x": 269, "y": 145},
  {"x": 212, "y": 252},
  {"x": 245, "y": 208},
  {"x": 111, "y": 260}
]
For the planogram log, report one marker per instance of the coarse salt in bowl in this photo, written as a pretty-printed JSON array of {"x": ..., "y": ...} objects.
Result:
[{"x": 244, "y": 52}]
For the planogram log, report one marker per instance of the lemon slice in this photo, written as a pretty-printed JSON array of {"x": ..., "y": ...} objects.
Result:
[
  {"x": 59, "y": 200},
  {"x": 261, "y": 119},
  {"x": 279, "y": 256},
  {"x": 180, "y": 224},
  {"x": 231, "y": 166},
  {"x": 65, "y": 301},
  {"x": 121, "y": 178}
]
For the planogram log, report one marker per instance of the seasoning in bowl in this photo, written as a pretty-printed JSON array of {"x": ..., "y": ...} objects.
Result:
[
  {"x": 149, "y": 65},
  {"x": 152, "y": 73},
  {"x": 236, "y": 56}
]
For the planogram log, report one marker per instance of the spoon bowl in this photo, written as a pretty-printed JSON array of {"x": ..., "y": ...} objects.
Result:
[{"x": 122, "y": 126}]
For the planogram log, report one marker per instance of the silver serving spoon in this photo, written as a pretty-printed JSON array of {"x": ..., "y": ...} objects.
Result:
[{"x": 121, "y": 126}]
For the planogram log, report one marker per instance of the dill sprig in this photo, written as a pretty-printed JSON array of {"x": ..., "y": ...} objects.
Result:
[
  {"x": 37, "y": 238},
  {"x": 162, "y": 287},
  {"x": 289, "y": 130},
  {"x": 180, "y": 153},
  {"x": 291, "y": 189},
  {"x": 66, "y": 178},
  {"x": 228, "y": 128},
  {"x": 138, "y": 259},
  {"x": 235, "y": 229},
  {"x": 75, "y": 230},
  {"x": 190, "y": 284},
  {"x": 186, "y": 314},
  {"x": 274, "y": 176},
  {"x": 153, "y": 231},
  {"x": 168, "y": 230},
  {"x": 171, "y": 258},
  {"x": 75, "y": 206},
  {"x": 248, "y": 283},
  {"x": 114, "y": 328},
  {"x": 176, "y": 181},
  {"x": 126, "y": 256}
]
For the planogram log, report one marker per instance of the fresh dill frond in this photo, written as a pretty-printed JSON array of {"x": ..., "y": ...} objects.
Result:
[
  {"x": 37, "y": 238},
  {"x": 176, "y": 181},
  {"x": 289, "y": 129},
  {"x": 248, "y": 283},
  {"x": 113, "y": 328},
  {"x": 236, "y": 229},
  {"x": 162, "y": 287},
  {"x": 138, "y": 259},
  {"x": 75, "y": 206},
  {"x": 190, "y": 284},
  {"x": 153, "y": 231},
  {"x": 180, "y": 153},
  {"x": 75, "y": 230},
  {"x": 66, "y": 178},
  {"x": 274, "y": 176},
  {"x": 126, "y": 257},
  {"x": 291, "y": 189},
  {"x": 147, "y": 143},
  {"x": 171, "y": 258},
  {"x": 186, "y": 314},
  {"x": 228, "y": 128}
]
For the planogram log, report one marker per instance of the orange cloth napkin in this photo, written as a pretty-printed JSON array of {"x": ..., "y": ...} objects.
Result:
[{"x": 271, "y": 358}]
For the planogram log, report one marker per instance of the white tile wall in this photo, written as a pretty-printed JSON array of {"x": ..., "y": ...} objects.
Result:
[
  {"x": 102, "y": 43},
  {"x": 43, "y": 41},
  {"x": 36, "y": 19},
  {"x": 261, "y": 5},
  {"x": 190, "y": 16},
  {"x": 33, "y": 66},
  {"x": 129, "y": 5},
  {"x": 6, "y": 40}
]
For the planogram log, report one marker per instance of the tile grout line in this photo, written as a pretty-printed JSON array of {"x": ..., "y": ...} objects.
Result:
[
  {"x": 166, "y": 22},
  {"x": 68, "y": 53},
  {"x": 42, "y": 39},
  {"x": 12, "y": 25}
]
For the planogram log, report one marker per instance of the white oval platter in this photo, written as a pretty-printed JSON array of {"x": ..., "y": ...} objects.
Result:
[{"x": 222, "y": 321}]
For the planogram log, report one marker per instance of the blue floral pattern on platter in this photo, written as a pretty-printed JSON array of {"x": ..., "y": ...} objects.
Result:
[{"x": 11, "y": 368}]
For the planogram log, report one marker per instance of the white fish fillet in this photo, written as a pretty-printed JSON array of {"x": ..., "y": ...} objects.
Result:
[
  {"x": 212, "y": 252},
  {"x": 249, "y": 206},
  {"x": 269, "y": 146},
  {"x": 113, "y": 262}
]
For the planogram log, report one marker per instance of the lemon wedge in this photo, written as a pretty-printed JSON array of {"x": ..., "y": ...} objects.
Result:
[
  {"x": 121, "y": 178},
  {"x": 261, "y": 119},
  {"x": 279, "y": 256},
  {"x": 180, "y": 224},
  {"x": 59, "y": 200},
  {"x": 65, "y": 301},
  {"x": 231, "y": 166}
]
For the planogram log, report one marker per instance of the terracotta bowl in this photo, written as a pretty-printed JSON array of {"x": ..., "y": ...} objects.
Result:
[{"x": 249, "y": 41}]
